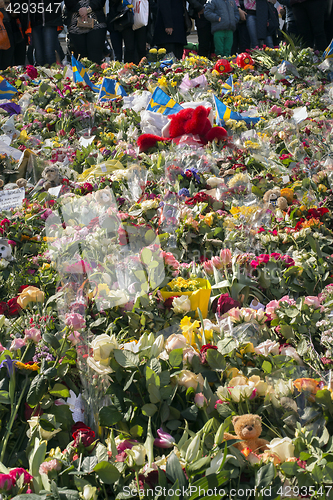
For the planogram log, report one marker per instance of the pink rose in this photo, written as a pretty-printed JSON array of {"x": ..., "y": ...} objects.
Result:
[
  {"x": 312, "y": 301},
  {"x": 74, "y": 320},
  {"x": 200, "y": 400},
  {"x": 32, "y": 334},
  {"x": 16, "y": 473},
  {"x": 270, "y": 308},
  {"x": 74, "y": 337},
  {"x": 6, "y": 482},
  {"x": 17, "y": 344}
]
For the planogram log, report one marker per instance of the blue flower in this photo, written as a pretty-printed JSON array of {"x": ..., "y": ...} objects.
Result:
[
  {"x": 9, "y": 364},
  {"x": 184, "y": 192}
]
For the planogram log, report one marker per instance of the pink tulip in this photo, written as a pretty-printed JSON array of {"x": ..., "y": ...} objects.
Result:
[
  {"x": 200, "y": 400},
  {"x": 17, "y": 344},
  {"x": 225, "y": 256},
  {"x": 208, "y": 267},
  {"x": 164, "y": 439},
  {"x": 216, "y": 261},
  {"x": 32, "y": 334}
]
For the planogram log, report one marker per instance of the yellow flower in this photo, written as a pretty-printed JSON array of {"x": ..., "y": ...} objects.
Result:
[
  {"x": 161, "y": 51},
  {"x": 322, "y": 188},
  {"x": 209, "y": 219},
  {"x": 44, "y": 267},
  {"x": 162, "y": 81},
  {"x": 188, "y": 329},
  {"x": 215, "y": 73},
  {"x": 153, "y": 51},
  {"x": 25, "y": 366},
  {"x": 233, "y": 372},
  {"x": 30, "y": 294}
]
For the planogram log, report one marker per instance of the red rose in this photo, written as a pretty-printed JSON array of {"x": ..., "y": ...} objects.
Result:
[
  {"x": 84, "y": 436},
  {"x": 31, "y": 71},
  {"x": 13, "y": 307},
  {"x": 203, "y": 351},
  {"x": 168, "y": 302},
  {"x": 3, "y": 307},
  {"x": 223, "y": 304}
]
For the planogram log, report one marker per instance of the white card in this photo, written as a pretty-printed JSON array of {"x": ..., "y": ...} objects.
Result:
[{"x": 12, "y": 198}]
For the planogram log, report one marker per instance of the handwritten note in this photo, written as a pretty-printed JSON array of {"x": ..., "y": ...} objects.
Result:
[{"x": 11, "y": 198}]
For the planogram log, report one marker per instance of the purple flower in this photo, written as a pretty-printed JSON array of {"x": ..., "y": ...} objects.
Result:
[{"x": 164, "y": 439}]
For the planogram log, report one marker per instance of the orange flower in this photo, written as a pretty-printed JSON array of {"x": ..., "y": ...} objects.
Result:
[
  {"x": 246, "y": 451},
  {"x": 30, "y": 294},
  {"x": 27, "y": 366},
  {"x": 311, "y": 222},
  {"x": 288, "y": 194},
  {"x": 307, "y": 385}
]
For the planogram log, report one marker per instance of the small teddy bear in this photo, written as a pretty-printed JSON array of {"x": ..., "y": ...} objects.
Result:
[
  {"x": 273, "y": 199},
  {"x": 51, "y": 177},
  {"x": 248, "y": 428},
  {"x": 5, "y": 250}
]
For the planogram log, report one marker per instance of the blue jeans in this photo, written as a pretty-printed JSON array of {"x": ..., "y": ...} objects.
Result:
[
  {"x": 251, "y": 24},
  {"x": 44, "y": 40}
]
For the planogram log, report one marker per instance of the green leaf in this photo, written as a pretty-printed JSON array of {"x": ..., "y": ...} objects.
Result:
[
  {"x": 267, "y": 367},
  {"x": 172, "y": 491},
  {"x": 4, "y": 398},
  {"x": 126, "y": 359},
  {"x": 176, "y": 358},
  {"x": 149, "y": 409},
  {"x": 109, "y": 416},
  {"x": 207, "y": 483},
  {"x": 199, "y": 466},
  {"x": 174, "y": 470},
  {"x": 107, "y": 472},
  {"x": 59, "y": 391},
  {"x": 227, "y": 345},
  {"x": 51, "y": 340},
  {"x": 290, "y": 468},
  {"x": 265, "y": 476},
  {"x": 287, "y": 331},
  {"x": 37, "y": 390},
  {"x": 215, "y": 360},
  {"x": 88, "y": 464}
]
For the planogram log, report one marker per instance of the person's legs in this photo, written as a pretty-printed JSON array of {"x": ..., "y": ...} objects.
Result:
[
  {"x": 178, "y": 50},
  {"x": 117, "y": 45},
  {"x": 228, "y": 39},
  {"x": 303, "y": 23},
  {"x": 140, "y": 39},
  {"x": 50, "y": 40},
  {"x": 251, "y": 24},
  {"x": 204, "y": 36},
  {"x": 244, "y": 39},
  {"x": 79, "y": 43},
  {"x": 269, "y": 41},
  {"x": 95, "y": 42},
  {"x": 219, "y": 43},
  {"x": 128, "y": 36},
  {"x": 38, "y": 44},
  {"x": 316, "y": 11}
]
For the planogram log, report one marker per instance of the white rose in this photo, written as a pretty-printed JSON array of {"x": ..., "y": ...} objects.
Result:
[
  {"x": 102, "y": 346},
  {"x": 267, "y": 347},
  {"x": 46, "y": 435},
  {"x": 190, "y": 379},
  {"x": 289, "y": 350},
  {"x": 181, "y": 304},
  {"x": 138, "y": 455},
  {"x": 175, "y": 341},
  {"x": 214, "y": 182},
  {"x": 284, "y": 448},
  {"x": 98, "y": 367}
]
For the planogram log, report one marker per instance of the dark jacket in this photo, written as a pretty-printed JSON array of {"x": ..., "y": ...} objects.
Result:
[
  {"x": 96, "y": 5},
  {"x": 51, "y": 15},
  {"x": 170, "y": 14},
  {"x": 115, "y": 6},
  {"x": 195, "y": 6},
  {"x": 227, "y": 10}
]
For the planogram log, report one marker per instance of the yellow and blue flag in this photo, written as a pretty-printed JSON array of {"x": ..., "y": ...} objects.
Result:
[
  {"x": 328, "y": 53},
  {"x": 228, "y": 86},
  {"x": 7, "y": 91},
  {"x": 223, "y": 113},
  {"x": 80, "y": 74},
  {"x": 110, "y": 89},
  {"x": 160, "y": 102}
]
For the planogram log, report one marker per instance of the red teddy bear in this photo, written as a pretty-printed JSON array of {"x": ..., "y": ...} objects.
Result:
[{"x": 188, "y": 121}]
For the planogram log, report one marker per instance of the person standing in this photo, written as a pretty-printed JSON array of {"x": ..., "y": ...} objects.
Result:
[
  {"x": 169, "y": 30},
  {"x": 87, "y": 42},
  {"x": 241, "y": 35},
  {"x": 45, "y": 17},
  {"x": 310, "y": 21},
  {"x": 223, "y": 16},
  {"x": 205, "y": 37}
]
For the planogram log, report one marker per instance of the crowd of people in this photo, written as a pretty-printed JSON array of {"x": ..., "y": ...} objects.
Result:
[{"x": 224, "y": 27}]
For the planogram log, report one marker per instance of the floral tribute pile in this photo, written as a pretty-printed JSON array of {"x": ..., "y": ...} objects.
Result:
[{"x": 166, "y": 315}]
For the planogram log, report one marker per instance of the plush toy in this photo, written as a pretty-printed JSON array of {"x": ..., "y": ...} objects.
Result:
[
  {"x": 18, "y": 184},
  {"x": 248, "y": 428},
  {"x": 104, "y": 197},
  {"x": 5, "y": 250},
  {"x": 273, "y": 198},
  {"x": 51, "y": 177},
  {"x": 188, "y": 121}
]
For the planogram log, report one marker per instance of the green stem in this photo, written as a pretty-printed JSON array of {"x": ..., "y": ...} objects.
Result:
[
  {"x": 25, "y": 351},
  {"x": 138, "y": 484},
  {"x": 11, "y": 421},
  {"x": 61, "y": 348}
]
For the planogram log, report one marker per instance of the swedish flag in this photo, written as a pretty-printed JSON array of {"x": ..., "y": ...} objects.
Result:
[
  {"x": 80, "y": 74},
  {"x": 110, "y": 89},
  {"x": 223, "y": 113},
  {"x": 228, "y": 86},
  {"x": 160, "y": 102},
  {"x": 7, "y": 91},
  {"x": 328, "y": 53}
]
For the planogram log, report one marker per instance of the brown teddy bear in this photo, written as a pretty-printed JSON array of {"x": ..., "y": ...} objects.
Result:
[
  {"x": 273, "y": 199},
  {"x": 248, "y": 428}
]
